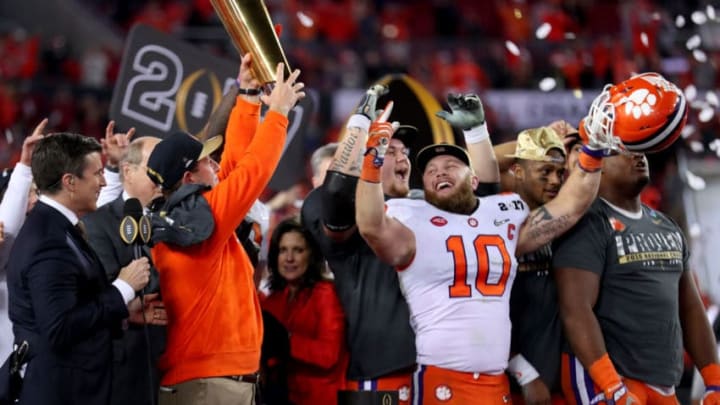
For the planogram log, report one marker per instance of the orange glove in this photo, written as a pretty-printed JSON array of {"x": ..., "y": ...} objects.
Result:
[
  {"x": 711, "y": 377},
  {"x": 614, "y": 390},
  {"x": 377, "y": 144}
]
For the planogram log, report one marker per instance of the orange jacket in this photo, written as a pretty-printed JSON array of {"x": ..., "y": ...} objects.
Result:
[
  {"x": 214, "y": 318},
  {"x": 319, "y": 357}
]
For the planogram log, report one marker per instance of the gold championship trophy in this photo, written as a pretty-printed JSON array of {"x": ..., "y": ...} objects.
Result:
[{"x": 251, "y": 30}]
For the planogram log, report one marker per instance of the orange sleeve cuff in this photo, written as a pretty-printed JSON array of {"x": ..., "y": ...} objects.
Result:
[
  {"x": 370, "y": 172},
  {"x": 247, "y": 107},
  {"x": 603, "y": 373},
  {"x": 589, "y": 163},
  {"x": 711, "y": 374}
]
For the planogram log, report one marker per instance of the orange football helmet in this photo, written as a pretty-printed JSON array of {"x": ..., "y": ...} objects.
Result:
[{"x": 646, "y": 112}]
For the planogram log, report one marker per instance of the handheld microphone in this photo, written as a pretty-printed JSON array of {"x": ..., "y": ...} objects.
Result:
[{"x": 130, "y": 227}]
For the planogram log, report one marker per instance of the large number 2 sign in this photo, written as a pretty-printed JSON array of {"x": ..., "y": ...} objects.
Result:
[
  {"x": 150, "y": 96},
  {"x": 460, "y": 287}
]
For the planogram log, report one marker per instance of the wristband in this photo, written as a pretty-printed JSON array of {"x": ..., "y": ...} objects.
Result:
[
  {"x": 359, "y": 121},
  {"x": 603, "y": 373},
  {"x": 522, "y": 370},
  {"x": 590, "y": 160},
  {"x": 370, "y": 169},
  {"x": 476, "y": 134},
  {"x": 247, "y": 92},
  {"x": 711, "y": 376}
]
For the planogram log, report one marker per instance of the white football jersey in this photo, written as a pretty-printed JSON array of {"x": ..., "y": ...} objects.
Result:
[{"x": 458, "y": 284}]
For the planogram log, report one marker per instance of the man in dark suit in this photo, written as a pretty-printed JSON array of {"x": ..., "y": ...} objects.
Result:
[
  {"x": 60, "y": 299},
  {"x": 130, "y": 353}
]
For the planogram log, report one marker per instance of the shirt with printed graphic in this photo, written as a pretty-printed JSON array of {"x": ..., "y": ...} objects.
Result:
[
  {"x": 536, "y": 326},
  {"x": 640, "y": 261}
]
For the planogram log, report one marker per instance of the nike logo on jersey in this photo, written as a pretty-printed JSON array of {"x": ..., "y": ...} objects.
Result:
[{"x": 499, "y": 222}]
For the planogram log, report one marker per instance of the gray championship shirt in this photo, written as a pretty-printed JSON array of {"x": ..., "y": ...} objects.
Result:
[
  {"x": 536, "y": 326},
  {"x": 379, "y": 336},
  {"x": 639, "y": 260}
]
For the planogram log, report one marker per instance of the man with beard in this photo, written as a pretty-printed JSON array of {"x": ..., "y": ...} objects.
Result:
[
  {"x": 628, "y": 301},
  {"x": 538, "y": 171},
  {"x": 455, "y": 260},
  {"x": 380, "y": 339}
]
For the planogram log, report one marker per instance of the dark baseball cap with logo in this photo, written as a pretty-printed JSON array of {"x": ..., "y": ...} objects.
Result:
[
  {"x": 427, "y": 153},
  {"x": 175, "y": 155}
]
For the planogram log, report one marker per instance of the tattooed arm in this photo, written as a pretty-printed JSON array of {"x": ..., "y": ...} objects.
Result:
[
  {"x": 551, "y": 220},
  {"x": 337, "y": 192}
]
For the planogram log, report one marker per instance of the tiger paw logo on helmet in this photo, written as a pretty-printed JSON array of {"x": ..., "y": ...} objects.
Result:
[{"x": 650, "y": 112}]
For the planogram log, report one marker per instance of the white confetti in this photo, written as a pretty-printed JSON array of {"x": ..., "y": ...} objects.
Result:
[
  {"x": 706, "y": 114},
  {"x": 390, "y": 31},
  {"x": 690, "y": 92},
  {"x": 656, "y": 16},
  {"x": 714, "y": 145},
  {"x": 696, "y": 146},
  {"x": 543, "y": 30},
  {"x": 712, "y": 98},
  {"x": 644, "y": 39},
  {"x": 9, "y": 136},
  {"x": 687, "y": 131},
  {"x": 698, "y": 17},
  {"x": 695, "y": 182},
  {"x": 512, "y": 48},
  {"x": 710, "y": 11},
  {"x": 693, "y": 42},
  {"x": 679, "y": 21},
  {"x": 305, "y": 19},
  {"x": 570, "y": 35},
  {"x": 699, "y": 56},
  {"x": 547, "y": 84},
  {"x": 578, "y": 94},
  {"x": 694, "y": 230}
]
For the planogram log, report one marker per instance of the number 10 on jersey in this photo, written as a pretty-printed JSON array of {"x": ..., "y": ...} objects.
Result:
[{"x": 485, "y": 272}]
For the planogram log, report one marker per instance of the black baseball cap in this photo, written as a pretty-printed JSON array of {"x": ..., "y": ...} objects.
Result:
[
  {"x": 429, "y": 152},
  {"x": 175, "y": 155},
  {"x": 406, "y": 134}
]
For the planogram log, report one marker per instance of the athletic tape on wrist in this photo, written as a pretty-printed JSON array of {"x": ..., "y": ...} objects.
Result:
[
  {"x": 522, "y": 370},
  {"x": 359, "y": 121},
  {"x": 477, "y": 134}
]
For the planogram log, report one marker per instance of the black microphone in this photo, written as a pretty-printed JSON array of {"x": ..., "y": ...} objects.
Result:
[
  {"x": 129, "y": 226},
  {"x": 135, "y": 230}
]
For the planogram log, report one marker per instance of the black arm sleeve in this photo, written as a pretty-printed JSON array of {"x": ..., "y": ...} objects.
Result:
[
  {"x": 485, "y": 189},
  {"x": 338, "y": 201}
]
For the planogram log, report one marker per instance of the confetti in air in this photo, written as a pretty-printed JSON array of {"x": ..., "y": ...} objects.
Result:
[
  {"x": 690, "y": 92},
  {"x": 693, "y": 42},
  {"x": 578, "y": 94},
  {"x": 679, "y": 21},
  {"x": 698, "y": 17},
  {"x": 688, "y": 130},
  {"x": 547, "y": 84},
  {"x": 695, "y": 182},
  {"x": 9, "y": 136},
  {"x": 305, "y": 20},
  {"x": 570, "y": 35},
  {"x": 699, "y": 56},
  {"x": 712, "y": 98},
  {"x": 706, "y": 114},
  {"x": 710, "y": 11},
  {"x": 696, "y": 146},
  {"x": 512, "y": 48},
  {"x": 543, "y": 31},
  {"x": 644, "y": 39}
]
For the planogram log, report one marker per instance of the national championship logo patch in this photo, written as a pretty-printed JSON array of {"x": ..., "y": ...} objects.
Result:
[{"x": 616, "y": 224}]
